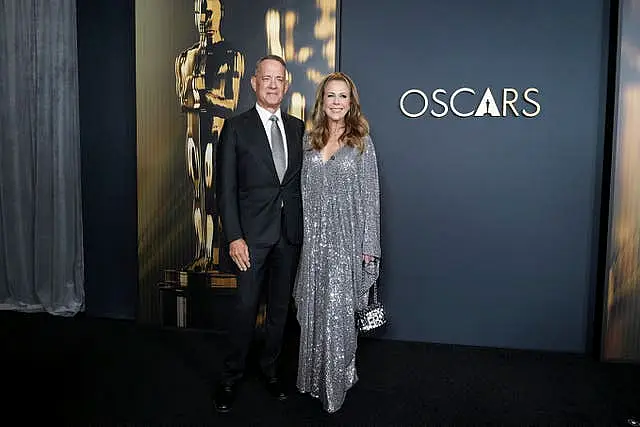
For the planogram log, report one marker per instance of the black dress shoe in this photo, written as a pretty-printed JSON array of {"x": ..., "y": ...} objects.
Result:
[
  {"x": 276, "y": 388},
  {"x": 225, "y": 395},
  {"x": 633, "y": 421}
]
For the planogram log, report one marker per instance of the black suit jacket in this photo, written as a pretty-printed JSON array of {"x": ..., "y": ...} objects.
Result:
[{"x": 252, "y": 202}]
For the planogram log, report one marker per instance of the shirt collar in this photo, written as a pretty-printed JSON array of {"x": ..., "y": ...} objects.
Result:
[{"x": 265, "y": 114}]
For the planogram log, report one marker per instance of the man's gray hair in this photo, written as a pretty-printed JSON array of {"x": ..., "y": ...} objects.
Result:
[{"x": 272, "y": 57}]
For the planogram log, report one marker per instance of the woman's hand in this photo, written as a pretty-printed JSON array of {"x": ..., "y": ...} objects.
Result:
[{"x": 368, "y": 258}]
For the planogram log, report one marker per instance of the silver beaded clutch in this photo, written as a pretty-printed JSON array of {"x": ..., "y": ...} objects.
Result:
[{"x": 373, "y": 316}]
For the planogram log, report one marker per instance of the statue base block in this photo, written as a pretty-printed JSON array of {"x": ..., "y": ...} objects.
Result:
[{"x": 197, "y": 300}]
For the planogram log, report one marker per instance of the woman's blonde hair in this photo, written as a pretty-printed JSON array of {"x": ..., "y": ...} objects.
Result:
[{"x": 356, "y": 125}]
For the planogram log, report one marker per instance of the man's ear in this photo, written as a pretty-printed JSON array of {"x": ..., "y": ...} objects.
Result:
[{"x": 253, "y": 83}]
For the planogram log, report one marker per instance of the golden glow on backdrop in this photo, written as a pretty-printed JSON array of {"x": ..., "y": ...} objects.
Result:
[
  {"x": 280, "y": 26},
  {"x": 622, "y": 312}
]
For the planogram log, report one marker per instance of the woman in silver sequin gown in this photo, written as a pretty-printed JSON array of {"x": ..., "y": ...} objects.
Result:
[{"x": 341, "y": 249}]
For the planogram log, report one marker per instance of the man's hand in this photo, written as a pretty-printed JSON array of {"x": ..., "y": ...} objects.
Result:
[{"x": 239, "y": 252}]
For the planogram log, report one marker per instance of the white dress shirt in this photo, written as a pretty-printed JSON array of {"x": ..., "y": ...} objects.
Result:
[{"x": 265, "y": 115}]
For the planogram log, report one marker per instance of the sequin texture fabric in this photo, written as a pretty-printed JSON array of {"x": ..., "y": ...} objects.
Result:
[{"x": 341, "y": 207}]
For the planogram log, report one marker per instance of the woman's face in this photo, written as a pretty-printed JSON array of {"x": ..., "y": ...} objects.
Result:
[{"x": 337, "y": 100}]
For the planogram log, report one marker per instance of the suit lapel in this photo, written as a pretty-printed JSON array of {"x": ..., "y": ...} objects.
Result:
[
  {"x": 261, "y": 148},
  {"x": 294, "y": 150}
]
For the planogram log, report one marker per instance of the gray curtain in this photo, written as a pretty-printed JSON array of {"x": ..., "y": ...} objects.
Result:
[{"x": 41, "y": 251}]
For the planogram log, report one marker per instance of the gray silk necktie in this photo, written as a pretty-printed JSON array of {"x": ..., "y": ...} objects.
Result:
[{"x": 277, "y": 148}]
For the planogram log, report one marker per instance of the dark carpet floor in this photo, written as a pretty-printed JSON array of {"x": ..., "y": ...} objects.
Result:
[{"x": 87, "y": 371}]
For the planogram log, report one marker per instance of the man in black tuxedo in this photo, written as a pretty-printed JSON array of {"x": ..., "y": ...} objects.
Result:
[{"x": 258, "y": 192}]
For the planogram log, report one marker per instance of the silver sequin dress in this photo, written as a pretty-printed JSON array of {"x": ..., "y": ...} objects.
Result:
[{"x": 341, "y": 207}]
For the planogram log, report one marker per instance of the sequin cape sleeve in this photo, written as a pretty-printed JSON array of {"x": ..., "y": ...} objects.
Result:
[
  {"x": 370, "y": 193},
  {"x": 370, "y": 190}
]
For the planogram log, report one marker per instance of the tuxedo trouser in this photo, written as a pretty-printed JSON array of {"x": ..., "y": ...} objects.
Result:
[{"x": 275, "y": 267}]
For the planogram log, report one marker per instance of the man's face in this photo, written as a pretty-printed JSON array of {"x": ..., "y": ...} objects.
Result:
[
  {"x": 208, "y": 14},
  {"x": 269, "y": 84}
]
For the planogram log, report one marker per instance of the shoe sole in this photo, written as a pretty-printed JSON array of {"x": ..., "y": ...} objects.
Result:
[{"x": 222, "y": 410}]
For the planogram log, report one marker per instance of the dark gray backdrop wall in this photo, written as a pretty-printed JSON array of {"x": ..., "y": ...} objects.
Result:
[
  {"x": 108, "y": 146},
  {"x": 488, "y": 222}
]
